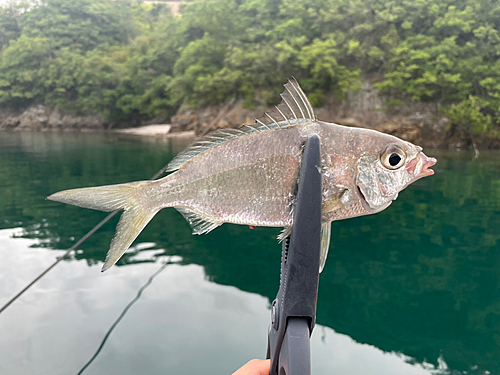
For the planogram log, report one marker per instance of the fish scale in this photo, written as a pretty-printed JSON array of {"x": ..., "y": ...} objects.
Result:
[{"x": 259, "y": 183}]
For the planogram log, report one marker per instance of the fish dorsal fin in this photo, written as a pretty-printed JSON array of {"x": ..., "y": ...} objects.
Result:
[
  {"x": 198, "y": 223},
  {"x": 295, "y": 109}
]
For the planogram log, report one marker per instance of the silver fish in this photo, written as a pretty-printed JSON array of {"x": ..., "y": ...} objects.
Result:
[{"x": 249, "y": 176}]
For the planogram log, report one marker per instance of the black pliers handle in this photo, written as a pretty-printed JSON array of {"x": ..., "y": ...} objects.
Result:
[{"x": 294, "y": 309}]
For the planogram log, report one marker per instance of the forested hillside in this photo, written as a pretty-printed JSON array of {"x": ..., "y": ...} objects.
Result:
[{"x": 128, "y": 59}]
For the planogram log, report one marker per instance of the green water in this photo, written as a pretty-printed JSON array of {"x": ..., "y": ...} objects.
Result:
[{"x": 417, "y": 285}]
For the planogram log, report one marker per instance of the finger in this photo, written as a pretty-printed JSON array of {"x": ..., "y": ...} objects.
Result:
[{"x": 255, "y": 367}]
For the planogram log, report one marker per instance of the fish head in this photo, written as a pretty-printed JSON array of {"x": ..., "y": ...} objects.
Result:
[{"x": 390, "y": 166}]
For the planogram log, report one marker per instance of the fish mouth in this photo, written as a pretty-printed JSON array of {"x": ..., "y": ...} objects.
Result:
[{"x": 419, "y": 166}]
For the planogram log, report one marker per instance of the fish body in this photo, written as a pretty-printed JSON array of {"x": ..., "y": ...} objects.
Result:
[{"x": 251, "y": 176}]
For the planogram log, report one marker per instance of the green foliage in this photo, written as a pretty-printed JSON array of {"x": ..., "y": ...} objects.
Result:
[
  {"x": 468, "y": 116},
  {"x": 82, "y": 57},
  {"x": 9, "y": 22},
  {"x": 21, "y": 70},
  {"x": 127, "y": 59},
  {"x": 82, "y": 24}
]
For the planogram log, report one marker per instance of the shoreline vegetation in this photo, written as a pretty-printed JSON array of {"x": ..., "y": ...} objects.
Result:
[{"x": 426, "y": 71}]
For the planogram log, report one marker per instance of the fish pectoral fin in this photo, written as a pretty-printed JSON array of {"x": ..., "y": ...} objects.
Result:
[
  {"x": 200, "y": 224},
  {"x": 330, "y": 204},
  {"x": 326, "y": 230}
]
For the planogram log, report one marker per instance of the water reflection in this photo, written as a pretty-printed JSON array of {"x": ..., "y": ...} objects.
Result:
[
  {"x": 183, "y": 323},
  {"x": 420, "y": 278}
]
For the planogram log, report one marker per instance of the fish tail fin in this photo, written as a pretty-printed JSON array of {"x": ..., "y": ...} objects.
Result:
[{"x": 110, "y": 198}]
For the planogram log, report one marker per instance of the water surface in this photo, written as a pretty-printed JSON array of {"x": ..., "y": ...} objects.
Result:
[{"x": 414, "y": 289}]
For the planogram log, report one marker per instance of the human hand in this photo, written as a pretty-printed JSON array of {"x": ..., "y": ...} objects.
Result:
[{"x": 255, "y": 367}]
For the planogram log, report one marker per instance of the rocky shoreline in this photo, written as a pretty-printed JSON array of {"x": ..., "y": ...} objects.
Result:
[
  {"x": 42, "y": 118},
  {"x": 419, "y": 123}
]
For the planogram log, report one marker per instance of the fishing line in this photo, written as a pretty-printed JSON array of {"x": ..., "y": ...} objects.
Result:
[
  {"x": 98, "y": 226},
  {"x": 72, "y": 248},
  {"x": 125, "y": 310}
]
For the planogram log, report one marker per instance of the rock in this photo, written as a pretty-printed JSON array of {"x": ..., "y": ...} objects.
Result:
[
  {"x": 42, "y": 118},
  {"x": 9, "y": 123},
  {"x": 55, "y": 119},
  {"x": 417, "y": 122},
  {"x": 232, "y": 116},
  {"x": 412, "y": 121},
  {"x": 34, "y": 118}
]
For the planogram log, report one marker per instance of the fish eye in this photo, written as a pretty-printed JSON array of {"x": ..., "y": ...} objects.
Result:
[{"x": 393, "y": 157}]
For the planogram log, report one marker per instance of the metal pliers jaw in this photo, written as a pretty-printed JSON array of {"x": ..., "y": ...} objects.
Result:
[{"x": 294, "y": 309}]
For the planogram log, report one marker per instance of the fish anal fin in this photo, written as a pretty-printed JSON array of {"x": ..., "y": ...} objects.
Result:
[
  {"x": 285, "y": 233},
  {"x": 198, "y": 223}
]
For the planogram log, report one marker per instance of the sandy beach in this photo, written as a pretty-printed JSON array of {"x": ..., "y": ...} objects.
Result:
[{"x": 156, "y": 130}]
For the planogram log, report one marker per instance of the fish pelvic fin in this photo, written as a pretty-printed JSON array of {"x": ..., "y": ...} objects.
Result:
[
  {"x": 295, "y": 109},
  {"x": 324, "y": 244},
  {"x": 110, "y": 198},
  {"x": 326, "y": 230}
]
